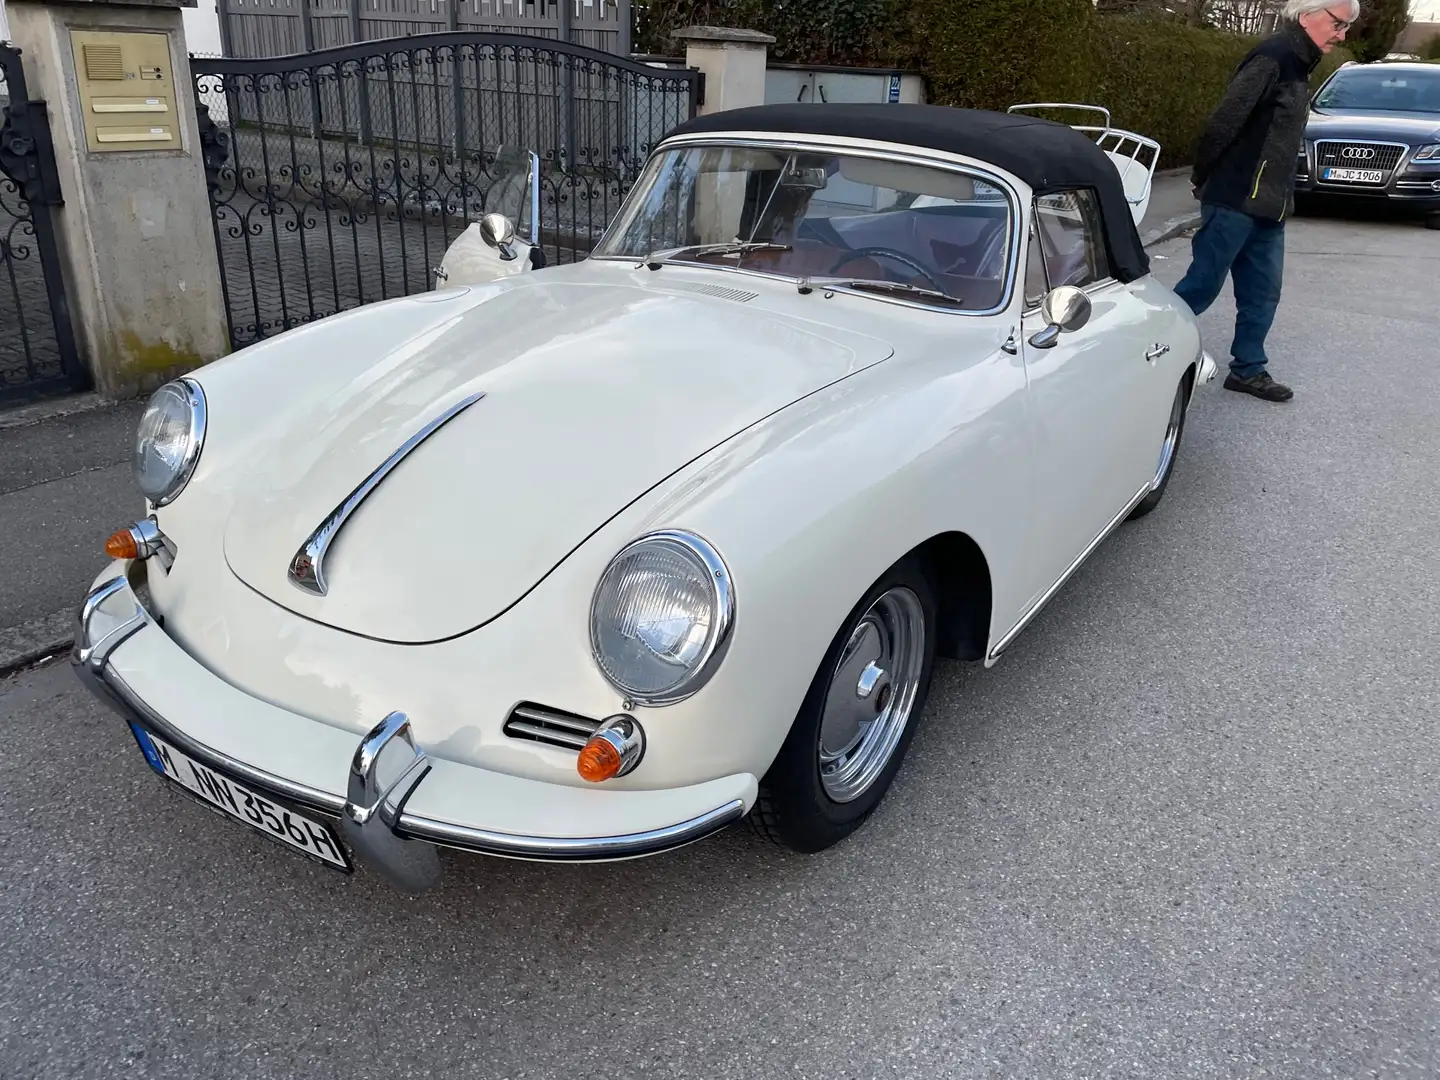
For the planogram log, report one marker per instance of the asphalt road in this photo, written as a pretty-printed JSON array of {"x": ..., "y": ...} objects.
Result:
[
  {"x": 65, "y": 485},
  {"x": 1187, "y": 828}
]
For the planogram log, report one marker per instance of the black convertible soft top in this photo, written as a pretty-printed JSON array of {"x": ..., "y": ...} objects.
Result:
[{"x": 1047, "y": 155}]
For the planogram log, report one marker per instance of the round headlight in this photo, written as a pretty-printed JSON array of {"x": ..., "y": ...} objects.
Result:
[
  {"x": 169, "y": 439},
  {"x": 661, "y": 616}
]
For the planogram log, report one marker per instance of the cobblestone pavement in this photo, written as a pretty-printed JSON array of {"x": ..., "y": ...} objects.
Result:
[
  {"x": 288, "y": 258},
  {"x": 285, "y": 265},
  {"x": 28, "y": 350}
]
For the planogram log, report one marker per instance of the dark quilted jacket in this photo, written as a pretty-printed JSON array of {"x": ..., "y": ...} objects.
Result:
[{"x": 1246, "y": 156}]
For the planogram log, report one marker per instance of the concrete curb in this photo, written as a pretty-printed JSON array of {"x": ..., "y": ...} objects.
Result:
[
  {"x": 26, "y": 415},
  {"x": 1171, "y": 229},
  {"x": 31, "y": 642}
]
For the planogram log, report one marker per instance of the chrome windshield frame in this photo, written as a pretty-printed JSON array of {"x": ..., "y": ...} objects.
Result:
[{"x": 883, "y": 151}]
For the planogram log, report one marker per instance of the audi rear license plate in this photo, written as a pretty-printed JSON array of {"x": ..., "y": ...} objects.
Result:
[
  {"x": 1356, "y": 176},
  {"x": 233, "y": 799}
]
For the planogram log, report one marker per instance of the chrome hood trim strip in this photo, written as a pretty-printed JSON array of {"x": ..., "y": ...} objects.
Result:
[{"x": 307, "y": 568}]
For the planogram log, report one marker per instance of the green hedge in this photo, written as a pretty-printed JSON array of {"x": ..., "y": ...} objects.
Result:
[
  {"x": 1170, "y": 78},
  {"x": 1156, "y": 75},
  {"x": 1164, "y": 78},
  {"x": 847, "y": 32}
]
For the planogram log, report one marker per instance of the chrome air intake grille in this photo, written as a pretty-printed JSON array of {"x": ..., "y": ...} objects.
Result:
[
  {"x": 539, "y": 723},
  {"x": 1358, "y": 155},
  {"x": 723, "y": 292}
]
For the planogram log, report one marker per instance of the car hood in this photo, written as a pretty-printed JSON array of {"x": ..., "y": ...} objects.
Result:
[
  {"x": 592, "y": 395},
  {"x": 1414, "y": 128}
]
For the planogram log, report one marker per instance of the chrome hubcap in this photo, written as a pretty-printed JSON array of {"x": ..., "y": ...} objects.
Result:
[
  {"x": 1172, "y": 436},
  {"x": 871, "y": 694}
]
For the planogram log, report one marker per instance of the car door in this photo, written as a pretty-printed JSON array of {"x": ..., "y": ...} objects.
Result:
[{"x": 1090, "y": 390}]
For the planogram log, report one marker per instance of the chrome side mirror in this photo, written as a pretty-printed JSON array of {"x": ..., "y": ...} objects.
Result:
[
  {"x": 499, "y": 232},
  {"x": 1065, "y": 309}
]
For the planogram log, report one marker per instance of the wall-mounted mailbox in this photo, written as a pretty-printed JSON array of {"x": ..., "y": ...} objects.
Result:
[{"x": 127, "y": 90}]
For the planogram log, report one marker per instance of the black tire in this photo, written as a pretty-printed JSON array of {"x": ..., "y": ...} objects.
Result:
[
  {"x": 1180, "y": 402},
  {"x": 794, "y": 808},
  {"x": 1432, "y": 221}
]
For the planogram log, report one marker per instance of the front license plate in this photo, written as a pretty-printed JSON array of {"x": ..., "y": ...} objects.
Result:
[
  {"x": 1356, "y": 176},
  {"x": 238, "y": 801}
]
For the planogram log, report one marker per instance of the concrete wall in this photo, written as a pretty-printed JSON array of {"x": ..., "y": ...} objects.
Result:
[
  {"x": 1415, "y": 35},
  {"x": 135, "y": 234}
]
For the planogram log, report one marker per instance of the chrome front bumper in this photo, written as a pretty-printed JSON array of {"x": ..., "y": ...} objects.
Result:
[{"x": 386, "y": 769}]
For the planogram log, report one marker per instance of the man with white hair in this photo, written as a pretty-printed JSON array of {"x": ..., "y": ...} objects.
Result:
[{"x": 1244, "y": 176}]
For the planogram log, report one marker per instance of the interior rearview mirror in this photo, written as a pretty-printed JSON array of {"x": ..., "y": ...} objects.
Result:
[
  {"x": 808, "y": 179},
  {"x": 1065, "y": 309}
]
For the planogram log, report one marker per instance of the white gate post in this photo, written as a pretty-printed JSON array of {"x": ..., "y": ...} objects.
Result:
[{"x": 732, "y": 61}]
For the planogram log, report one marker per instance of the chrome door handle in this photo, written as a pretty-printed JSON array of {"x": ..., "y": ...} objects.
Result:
[{"x": 1157, "y": 352}]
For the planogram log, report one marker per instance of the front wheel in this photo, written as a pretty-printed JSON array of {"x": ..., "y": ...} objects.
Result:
[
  {"x": 857, "y": 719},
  {"x": 1169, "y": 450}
]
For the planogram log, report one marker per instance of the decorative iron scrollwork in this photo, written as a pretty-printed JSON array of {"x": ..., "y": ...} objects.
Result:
[
  {"x": 340, "y": 177},
  {"x": 214, "y": 147},
  {"x": 38, "y": 351},
  {"x": 22, "y": 157}
]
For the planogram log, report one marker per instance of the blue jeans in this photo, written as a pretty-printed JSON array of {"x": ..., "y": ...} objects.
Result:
[{"x": 1253, "y": 253}]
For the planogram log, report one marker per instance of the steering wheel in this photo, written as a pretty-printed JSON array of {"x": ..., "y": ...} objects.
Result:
[{"x": 888, "y": 253}]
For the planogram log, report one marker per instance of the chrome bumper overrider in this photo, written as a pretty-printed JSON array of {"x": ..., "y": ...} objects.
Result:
[
  {"x": 385, "y": 772},
  {"x": 1208, "y": 368}
]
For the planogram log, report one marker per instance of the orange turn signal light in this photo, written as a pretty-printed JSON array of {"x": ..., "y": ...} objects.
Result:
[
  {"x": 614, "y": 750},
  {"x": 599, "y": 760},
  {"x": 121, "y": 545}
]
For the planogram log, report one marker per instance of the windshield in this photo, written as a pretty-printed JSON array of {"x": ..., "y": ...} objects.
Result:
[
  {"x": 501, "y": 186},
  {"x": 1383, "y": 91},
  {"x": 818, "y": 215}
]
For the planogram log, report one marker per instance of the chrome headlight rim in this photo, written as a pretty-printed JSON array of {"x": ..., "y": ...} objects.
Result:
[
  {"x": 722, "y": 600},
  {"x": 199, "y": 425}
]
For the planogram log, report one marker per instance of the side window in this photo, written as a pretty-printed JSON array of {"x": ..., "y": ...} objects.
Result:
[
  {"x": 1035, "y": 284},
  {"x": 1072, "y": 238}
]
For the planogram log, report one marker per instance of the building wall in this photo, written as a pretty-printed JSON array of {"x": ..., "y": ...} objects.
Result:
[
  {"x": 1415, "y": 35},
  {"x": 202, "y": 28}
]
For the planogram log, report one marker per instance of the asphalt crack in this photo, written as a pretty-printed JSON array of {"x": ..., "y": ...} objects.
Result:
[{"x": 57, "y": 479}]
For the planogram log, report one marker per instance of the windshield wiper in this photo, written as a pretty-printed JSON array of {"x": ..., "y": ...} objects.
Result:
[
  {"x": 806, "y": 285},
  {"x": 735, "y": 247}
]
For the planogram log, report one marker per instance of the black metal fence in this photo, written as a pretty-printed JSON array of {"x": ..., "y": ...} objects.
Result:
[
  {"x": 37, "y": 340},
  {"x": 340, "y": 177}
]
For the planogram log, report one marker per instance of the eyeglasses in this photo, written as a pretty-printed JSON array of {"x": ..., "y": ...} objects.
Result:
[{"x": 1338, "y": 23}]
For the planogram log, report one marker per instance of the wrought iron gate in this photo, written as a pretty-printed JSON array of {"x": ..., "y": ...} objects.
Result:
[
  {"x": 340, "y": 177},
  {"x": 37, "y": 339}
]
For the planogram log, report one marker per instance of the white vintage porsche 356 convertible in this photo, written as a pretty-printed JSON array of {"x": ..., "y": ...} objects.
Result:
[{"x": 590, "y": 561}]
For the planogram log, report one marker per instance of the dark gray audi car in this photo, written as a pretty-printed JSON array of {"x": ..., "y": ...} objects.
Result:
[{"x": 1374, "y": 133}]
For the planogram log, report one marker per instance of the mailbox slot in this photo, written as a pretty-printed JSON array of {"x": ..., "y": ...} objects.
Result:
[{"x": 127, "y": 90}]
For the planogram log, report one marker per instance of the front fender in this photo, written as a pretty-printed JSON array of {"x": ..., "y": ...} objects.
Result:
[
  {"x": 471, "y": 261},
  {"x": 260, "y": 389},
  {"x": 809, "y": 508}
]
